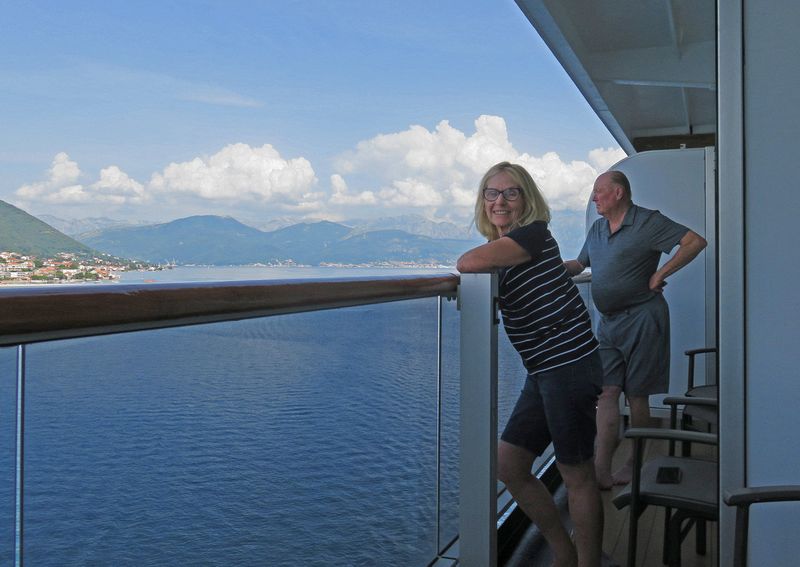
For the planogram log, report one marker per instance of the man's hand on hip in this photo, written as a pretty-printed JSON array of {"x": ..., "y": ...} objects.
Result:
[{"x": 657, "y": 283}]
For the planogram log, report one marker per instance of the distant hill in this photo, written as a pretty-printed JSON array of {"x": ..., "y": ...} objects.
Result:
[
  {"x": 305, "y": 237},
  {"x": 223, "y": 240},
  {"x": 414, "y": 224},
  {"x": 24, "y": 233},
  {"x": 77, "y": 227},
  {"x": 192, "y": 240}
]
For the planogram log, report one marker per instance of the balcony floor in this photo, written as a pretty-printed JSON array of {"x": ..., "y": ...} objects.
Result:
[{"x": 532, "y": 552}]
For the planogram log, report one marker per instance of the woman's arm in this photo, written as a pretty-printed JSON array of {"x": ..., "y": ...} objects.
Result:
[{"x": 500, "y": 253}]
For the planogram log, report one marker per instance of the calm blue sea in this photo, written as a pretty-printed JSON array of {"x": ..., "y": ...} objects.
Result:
[{"x": 292, "y": 440}]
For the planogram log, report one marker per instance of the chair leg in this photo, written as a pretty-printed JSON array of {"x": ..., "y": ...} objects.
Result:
[
  {"x": 673, "y": 543},
  {"x": 686, "y": 447},
  {"x": 633, "y": 534},
  {"x": 665, "y": 549},
  {"x": 700, "y": 536}
]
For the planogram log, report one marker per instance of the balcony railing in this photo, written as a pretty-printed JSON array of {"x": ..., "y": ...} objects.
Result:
[
  {"x": 33, "y": 314},
  {"x": 41, "y": 314}
]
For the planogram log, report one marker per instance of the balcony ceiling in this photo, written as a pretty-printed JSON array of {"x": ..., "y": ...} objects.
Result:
[{"x": 647, "y": 67}]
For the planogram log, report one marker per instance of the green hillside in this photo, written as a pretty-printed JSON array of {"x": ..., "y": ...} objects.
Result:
[{"x": 25, "y": 234}]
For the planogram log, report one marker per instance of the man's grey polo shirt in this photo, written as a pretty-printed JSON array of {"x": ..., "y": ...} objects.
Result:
[{"x": 622, "y": 263}]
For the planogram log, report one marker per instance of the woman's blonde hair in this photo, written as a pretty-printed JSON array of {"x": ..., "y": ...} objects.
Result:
[{"x": 535, "y": 207}]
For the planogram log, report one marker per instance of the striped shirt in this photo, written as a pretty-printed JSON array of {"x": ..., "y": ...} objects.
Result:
[{"x": 543, "y": 313}]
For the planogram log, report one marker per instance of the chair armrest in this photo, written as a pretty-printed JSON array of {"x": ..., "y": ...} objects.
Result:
[
  {"x": 671, "y": 435},
  {"x": 742, "y": 498},
  {"x": 755, "y": 494},
  {"x": 690, "y": 400},
  {"x": 691, "y": 353},
  {"x": 675, "y": 401},
  {"x": 694, "y": 351}
]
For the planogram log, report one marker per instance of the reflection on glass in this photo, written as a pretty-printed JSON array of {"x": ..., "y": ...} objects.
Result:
[
  {"x": 300, "y": 439},
  {"x": 8, "y": 390},
  {"x": 293, "y": 440},
  {"x": 511, "y": 379}
]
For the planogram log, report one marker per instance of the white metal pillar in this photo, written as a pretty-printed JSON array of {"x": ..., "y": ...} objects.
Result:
[
  {"x": 732, "y": 264},
  {"x": 478, "y": 454}
]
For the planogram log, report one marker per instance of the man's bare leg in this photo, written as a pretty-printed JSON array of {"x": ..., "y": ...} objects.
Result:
[
  {"x": 608, "y": 421},
  {"x": 586, "y": 511},
  {"x": 640, "y": 417},
  {"x": 514, "y": 470}
]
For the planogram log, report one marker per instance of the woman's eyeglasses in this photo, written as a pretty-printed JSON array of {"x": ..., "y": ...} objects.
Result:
[{"x": 511, "y": 194}]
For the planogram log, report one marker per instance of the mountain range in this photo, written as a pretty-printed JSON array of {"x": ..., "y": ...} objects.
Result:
[
  {"x": 219, "y": 240},
  {"x": 413, "y": 224},
  {"x": 216, "y": 240}
]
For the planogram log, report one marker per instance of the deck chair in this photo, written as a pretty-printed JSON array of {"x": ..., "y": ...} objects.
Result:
[
  {"x": 699, "y": 417},
  {"x": 698, "y": 406},
  {"x": 743, "y": 498},
  {"x": 689, "y": 501},
  {"x": 704, "y": 390}
]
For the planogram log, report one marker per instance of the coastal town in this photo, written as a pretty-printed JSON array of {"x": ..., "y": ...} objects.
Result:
[
  {"x": 67, "y": 267},
  {"x": 63, "y": 267}
]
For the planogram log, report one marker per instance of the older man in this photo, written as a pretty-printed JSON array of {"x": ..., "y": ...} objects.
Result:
[{"x": 623, "y": 249}]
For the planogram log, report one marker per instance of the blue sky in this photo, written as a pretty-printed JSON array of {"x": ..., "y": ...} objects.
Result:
[{"x": 306, "y": 110}]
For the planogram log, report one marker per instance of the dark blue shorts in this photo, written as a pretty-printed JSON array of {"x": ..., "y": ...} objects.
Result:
[{"x": 559, "y": 406}]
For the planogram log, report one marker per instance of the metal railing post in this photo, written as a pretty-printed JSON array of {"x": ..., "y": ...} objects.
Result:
[
  {"x": 19, "y": 491},
  {"x": 478, "y": 421},
  {"x": 439, "y": 394}
]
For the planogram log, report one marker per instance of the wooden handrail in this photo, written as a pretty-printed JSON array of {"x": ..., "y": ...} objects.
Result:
[{"x": 32, "y": 314}]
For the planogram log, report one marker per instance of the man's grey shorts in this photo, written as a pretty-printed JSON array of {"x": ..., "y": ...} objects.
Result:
[{"x": 634, "y": 348}]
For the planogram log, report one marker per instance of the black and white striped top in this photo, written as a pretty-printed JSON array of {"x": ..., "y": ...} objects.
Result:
[{"x": 543, "y": 313}]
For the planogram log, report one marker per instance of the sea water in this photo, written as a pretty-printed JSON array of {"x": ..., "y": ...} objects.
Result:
[{"x": 306, "y": 439}]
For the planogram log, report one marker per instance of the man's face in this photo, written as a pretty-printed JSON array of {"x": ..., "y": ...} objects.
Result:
[{"x": 606, "y": 195}]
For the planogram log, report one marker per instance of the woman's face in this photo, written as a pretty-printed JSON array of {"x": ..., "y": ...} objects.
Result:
[{"x": 503, "y": 213}]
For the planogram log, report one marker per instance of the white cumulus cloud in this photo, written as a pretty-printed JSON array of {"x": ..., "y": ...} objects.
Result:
[
  {"x": 565, "y": 185},
  {"x": 118, "y": 187},
  {"x": 239, "y": 172},
  {"x": 413, "y": 192},
  {"x": 63, "y": 173},
  {"x": 603, "y": 158},
  {"x": 340, "y": 194},
  {"x": 436, "y": 172},
  {"x": 238, "y": 178},
  {"x": 61, "y": 186}
]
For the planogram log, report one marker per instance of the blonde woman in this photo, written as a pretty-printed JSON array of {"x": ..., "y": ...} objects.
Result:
[{"x": 548, "y": 324}]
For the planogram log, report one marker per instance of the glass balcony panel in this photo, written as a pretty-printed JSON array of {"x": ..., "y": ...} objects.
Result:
[
  {"x": 511, "y": 379},
  {"x": 293, "y": 440},
  {"x": 451, "y": 364},
  {"x": 8, "y": 393},
  {"x": 511, "y": 376}
]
